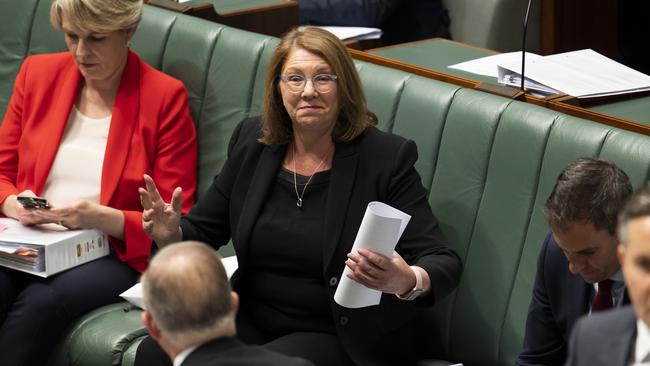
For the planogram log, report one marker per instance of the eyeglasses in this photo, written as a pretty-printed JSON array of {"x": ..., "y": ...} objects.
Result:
[{"x": 323, "y": 83}]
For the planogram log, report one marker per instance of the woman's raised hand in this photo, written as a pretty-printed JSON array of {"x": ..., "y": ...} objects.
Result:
[{"x": 161, "y": 220}]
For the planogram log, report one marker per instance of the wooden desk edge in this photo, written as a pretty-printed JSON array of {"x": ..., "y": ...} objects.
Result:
[
  {"x": 417, "y": 70},
  {"x": 196, "y": 7},
  {"x": 286, "y": 4},
  {"x": 606, "y": 119},
  {"x": 437, "y": 39},
  {"x": 555, "y": 102}
]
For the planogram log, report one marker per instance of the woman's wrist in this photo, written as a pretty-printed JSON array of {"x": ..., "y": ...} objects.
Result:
[
  {"x": 174, "y": 237},
  {"x": 420, "y": 283},
  {"x": 109, "y": 220},
  {"x": 410, "y": 284},
  {"x": 9, "y": 208}
]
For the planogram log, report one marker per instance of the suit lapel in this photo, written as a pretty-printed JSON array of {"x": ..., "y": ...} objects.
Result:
[
  {"x": 123, "y": 121},
  {"x": 344, "y": 168},
  {"x": 262, "y": 181},
  {"x": 62, "y": 101},
  {"x": 578, "y": 294},
  {"x": 619, "y": 345}
]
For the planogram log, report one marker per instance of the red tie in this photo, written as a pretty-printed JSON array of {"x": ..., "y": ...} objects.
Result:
[{"x": 603, "y": 298}]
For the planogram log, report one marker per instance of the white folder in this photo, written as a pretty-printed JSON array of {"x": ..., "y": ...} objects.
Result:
[{"x": 54, "y": 248}]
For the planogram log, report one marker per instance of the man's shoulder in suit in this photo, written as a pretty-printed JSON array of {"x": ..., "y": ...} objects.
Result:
[
  {"x": 606, "y": 338},
  {"x": 229, "y": 351}
]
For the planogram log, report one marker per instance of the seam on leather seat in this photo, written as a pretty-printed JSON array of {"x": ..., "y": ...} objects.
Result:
[
  {"x": 452, "y": 296},
  {"x": 396, "y": 103},
  {"x": 28, "y": 41},
  {"x": 251, "y": 86},
  {"x": 166, "y": 43},
  {"x": 442, "y": 132},
  {"x": 485, "y": 175},
  {"x": 602, "y": 143},
  {"x": 123, "y": 344},
  {"x": 206, "y": 78},
  {"x": 473, "y": 226},
  {"x": 531, "y": 208}
]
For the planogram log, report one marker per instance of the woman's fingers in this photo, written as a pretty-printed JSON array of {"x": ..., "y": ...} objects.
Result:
[
  {"x": 147, "y": 214},
  {"x": 154, "y": 195},
  {"x": 177, "y": 200},
  {"x": 145, "y": 199}
]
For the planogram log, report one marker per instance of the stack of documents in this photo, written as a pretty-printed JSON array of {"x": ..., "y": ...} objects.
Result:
[
  {"x": 44, "y": 250},
  {"x": 358, "y": 33},
  {"x": 583, "y": 74}
]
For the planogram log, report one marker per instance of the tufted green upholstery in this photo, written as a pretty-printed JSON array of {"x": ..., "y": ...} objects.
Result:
[{"x": 489, "y": 162}]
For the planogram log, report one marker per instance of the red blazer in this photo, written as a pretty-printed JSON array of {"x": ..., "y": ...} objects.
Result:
[{"x": 151, "y": 132}]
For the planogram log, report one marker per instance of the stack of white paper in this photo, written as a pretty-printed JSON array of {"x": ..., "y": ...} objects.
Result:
[
  {"x": 44, "y": 250},
  {"x": 380, "y": 229},
  {"x": 582, "y": 74},
  {"x": 359, "y": 33}
]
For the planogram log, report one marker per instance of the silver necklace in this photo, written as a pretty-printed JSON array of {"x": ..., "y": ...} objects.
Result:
[{"x": 295, "y": 179}]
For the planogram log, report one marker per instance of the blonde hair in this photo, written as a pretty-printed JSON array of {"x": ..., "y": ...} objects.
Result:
[
  {"x": 354, "y": 116},
  {"x": 100, "y": 16}
]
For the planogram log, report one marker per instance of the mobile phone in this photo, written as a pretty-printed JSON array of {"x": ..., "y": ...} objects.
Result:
[{"x": 33, "y": 202}]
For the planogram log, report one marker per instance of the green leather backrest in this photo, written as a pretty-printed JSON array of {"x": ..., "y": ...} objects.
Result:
[
  {"x": 221, "y": 67},
  {"x": 490, "y": 163},
  {"x": 26, "y": 30}
]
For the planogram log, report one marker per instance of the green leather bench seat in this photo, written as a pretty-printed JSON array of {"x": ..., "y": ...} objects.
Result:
[
  {"x": 489, "y": 163},
  {"x": 105, "y": 336}
]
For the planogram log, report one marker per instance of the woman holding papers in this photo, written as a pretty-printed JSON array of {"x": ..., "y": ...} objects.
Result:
[
  {"x": 291, "y": 197},
  {"x": 81, "y": 129}
]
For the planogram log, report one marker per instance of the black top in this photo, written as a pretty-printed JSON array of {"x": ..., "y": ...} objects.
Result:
[
  {"x": 286, "y": 259},
  {"x": 376, "y": 166}
]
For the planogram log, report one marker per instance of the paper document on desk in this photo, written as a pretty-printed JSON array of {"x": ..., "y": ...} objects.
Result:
[
  {"x": 488, "y": 66},
  {"x": 582, "y": 74},
  {"x": 360, "y": 33},
  {"x": 380, "y": 229},
  {"x": 44, "y": 250},
  {"x": 134, "y": 294}
]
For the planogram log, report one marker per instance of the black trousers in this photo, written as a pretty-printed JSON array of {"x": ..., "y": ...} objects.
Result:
[
  {"x": 323, "y": 349},
  {"x": 35, "y": 311}
]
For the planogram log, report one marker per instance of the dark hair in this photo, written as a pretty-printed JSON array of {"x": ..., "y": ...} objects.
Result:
[
  {"x": 590, "y": 190},
  {"x": 638, "y": 205},
  {"x": 354, "y": 116}
]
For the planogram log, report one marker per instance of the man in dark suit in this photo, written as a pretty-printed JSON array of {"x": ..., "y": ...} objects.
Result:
[
  {"x": 616, "y": 337},
  {"x": 577, "y": 269},
  {"x": 190, "y": 310}
]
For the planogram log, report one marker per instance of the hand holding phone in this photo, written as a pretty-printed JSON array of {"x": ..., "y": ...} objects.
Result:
[{"x": 33, "y": 202}]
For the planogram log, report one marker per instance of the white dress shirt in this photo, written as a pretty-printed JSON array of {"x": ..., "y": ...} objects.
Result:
[
  {"x": 642, "y": 346},
  {"x": 77, "y": 169},
  {"x": 182, "y": 355}
]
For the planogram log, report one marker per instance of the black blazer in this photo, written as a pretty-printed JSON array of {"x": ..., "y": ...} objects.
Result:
[
  {"x": 559, "y": 299},
  {"x": 231, "y": 352},
  {"x": 374, "y": 167},
  {"x": 604, "y": 339}
]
